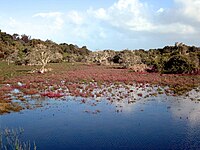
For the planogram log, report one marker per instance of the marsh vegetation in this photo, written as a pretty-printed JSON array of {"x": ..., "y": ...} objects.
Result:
[{"x": 67, "y": 96}]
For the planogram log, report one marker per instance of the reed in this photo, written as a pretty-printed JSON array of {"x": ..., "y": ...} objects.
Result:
[{"x": 10, "y": 139}]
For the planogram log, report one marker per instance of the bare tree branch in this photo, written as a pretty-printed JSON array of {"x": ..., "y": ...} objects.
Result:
[{"x": 41, "y": 55}]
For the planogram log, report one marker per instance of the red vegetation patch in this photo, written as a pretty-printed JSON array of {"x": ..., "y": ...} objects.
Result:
[
  {"x": 52, "y": 94},
  {"x": 6, "y": 88},
  {"x": 97, "y": 82},
  {"x": 102, "y": 74},
  {"x": 30, "y": 91}
]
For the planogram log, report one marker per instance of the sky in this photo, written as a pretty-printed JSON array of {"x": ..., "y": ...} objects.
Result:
[{"x": 105, "y": 24}]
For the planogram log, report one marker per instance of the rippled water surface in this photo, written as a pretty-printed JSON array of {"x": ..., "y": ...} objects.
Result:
[{"x": 162, "y": 122}]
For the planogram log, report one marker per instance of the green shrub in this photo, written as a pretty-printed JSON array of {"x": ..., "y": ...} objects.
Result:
[{"x": 178, "y": 64}]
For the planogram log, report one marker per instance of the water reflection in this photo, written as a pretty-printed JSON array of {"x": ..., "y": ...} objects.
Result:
[
  {"x": 132, "y": 122},
  {"x": 187, "y": 109}
]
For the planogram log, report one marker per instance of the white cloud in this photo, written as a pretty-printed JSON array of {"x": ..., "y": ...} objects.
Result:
[
  {"x": 50, "y": 14},
  {"x": 75, "y": 17},
  {"x": 135, "y": 16},
  {"x": 128, "y": 23},
  {"x": 132, "y": 5},
  {"x": 57, "y": 16},
  {"x": 100, "y": 13},
  {"x": 40, "y": 25},
  {"x": 126, "y": 14},
  {"x": 102, "y": 34},
  {"x": 189, "y": 8},
  {"x": 161, "y": 10},
  {"x": 133, "y": 20},
  {"x": 176, "y": 28}
]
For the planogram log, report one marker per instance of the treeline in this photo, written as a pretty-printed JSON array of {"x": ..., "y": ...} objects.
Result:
[
  {"x": 17, "y": 48},
  {"x": 21, "y": 49},
  {"x": 179, "y": 58}
]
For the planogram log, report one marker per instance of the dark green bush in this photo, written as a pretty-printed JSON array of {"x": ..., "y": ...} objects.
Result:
[{"x": 178, "y": 64}]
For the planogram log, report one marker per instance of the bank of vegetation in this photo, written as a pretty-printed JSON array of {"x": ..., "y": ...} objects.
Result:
[{"x": 22, "y": 50}]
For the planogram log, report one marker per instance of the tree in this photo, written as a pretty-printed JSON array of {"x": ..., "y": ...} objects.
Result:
[
  {"x": 11, "y": 57},
  {"x": 15, "y": 36},
  {"x": 25, "y": 38},
  {"x": 41, "y": 55}
]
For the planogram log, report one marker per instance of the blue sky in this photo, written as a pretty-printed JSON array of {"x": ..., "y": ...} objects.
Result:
[{"x": 105, "y": 24}]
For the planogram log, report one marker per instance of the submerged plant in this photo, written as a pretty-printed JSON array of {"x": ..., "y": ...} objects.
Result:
[{"x": 10, "y": 140}]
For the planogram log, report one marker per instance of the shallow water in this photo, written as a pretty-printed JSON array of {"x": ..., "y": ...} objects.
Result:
[{"x": 162, "y": 122}]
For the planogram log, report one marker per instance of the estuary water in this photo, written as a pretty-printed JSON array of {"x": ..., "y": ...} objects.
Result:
[{"x": 162, "y": 122}]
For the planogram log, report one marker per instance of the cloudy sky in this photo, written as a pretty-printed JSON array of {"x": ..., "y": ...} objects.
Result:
[{"x": 105, "y": 24}]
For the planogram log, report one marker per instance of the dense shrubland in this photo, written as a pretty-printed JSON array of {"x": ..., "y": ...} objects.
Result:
[
  {"x": 170, "y": 59},
  {"x": 22, "y": 50},
  {"x": 19, "y": 49}
]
